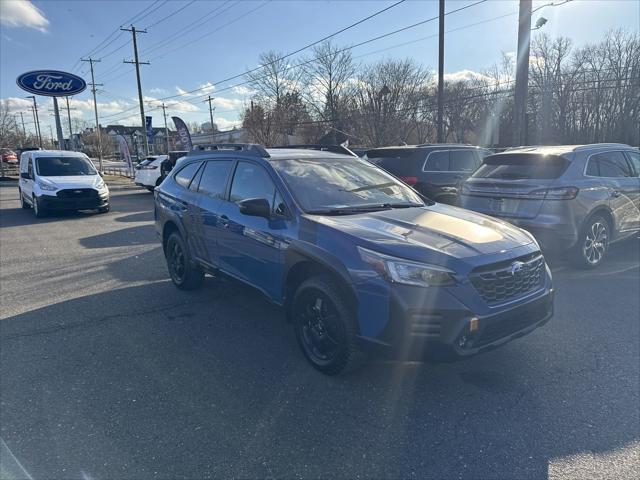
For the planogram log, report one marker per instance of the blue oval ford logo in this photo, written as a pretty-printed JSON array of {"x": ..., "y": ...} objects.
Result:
[{"x": 51, "y": 83}]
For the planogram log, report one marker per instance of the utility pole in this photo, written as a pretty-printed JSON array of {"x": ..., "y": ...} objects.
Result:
[
  {"x": 137, "y": 63},
  {"x": 59, "y": 134},
  {"x": 441, "y": 74},
  {"x": 166, "y": 130},
  {"x": 211, "y": 109},
  {"x": 71, "y": 142},
  {"x": 522, "y": 73},
  {"x": 95, "y": 107},
  {"x": 36, "y": 119},
  {"x": 24, "y": 130}
]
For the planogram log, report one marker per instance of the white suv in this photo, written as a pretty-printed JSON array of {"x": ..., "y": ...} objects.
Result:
[
  {"x": 60, "y": 180},
  {"x": 149, "y": 172}
]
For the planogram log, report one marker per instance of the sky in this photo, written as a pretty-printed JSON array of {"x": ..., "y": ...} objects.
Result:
[{"x": 198, "y": 44}]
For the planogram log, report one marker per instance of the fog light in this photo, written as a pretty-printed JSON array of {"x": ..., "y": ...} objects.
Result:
[{"x": 474, "y": 323}]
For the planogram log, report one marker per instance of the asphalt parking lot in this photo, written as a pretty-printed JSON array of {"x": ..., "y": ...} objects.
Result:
[{"x": 108, "y": 371}]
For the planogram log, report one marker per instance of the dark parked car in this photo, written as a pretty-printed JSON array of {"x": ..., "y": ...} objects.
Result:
[
  {"x": 357, "y": 258},
  {"x": 433, "y": 170},
  {"x": 576, "y": 198}
]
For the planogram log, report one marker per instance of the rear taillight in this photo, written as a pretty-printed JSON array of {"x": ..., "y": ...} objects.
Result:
[
  {"x": 409, "y": 180},
  {"x": 557, "y": 193}
]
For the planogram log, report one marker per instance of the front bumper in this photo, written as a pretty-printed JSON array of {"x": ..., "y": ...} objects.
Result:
[
  {"x": 417, "y": 331},
  {"x": 50, "y": 202}
]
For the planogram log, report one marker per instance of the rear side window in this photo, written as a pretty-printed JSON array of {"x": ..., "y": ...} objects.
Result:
[
  {"x": 214, "y": 178},
  {"x": 251, "y": 181},
  {"x": 608, "y": 164},
  {"x": 437, "y": 161},
  {"x": 522, "y": 166},
  {"x": 184, "y": 176},
  {"x": 402, "y": 162},
  {"x": 634, "y": 157},
  {"x": 463, "y": 160}
]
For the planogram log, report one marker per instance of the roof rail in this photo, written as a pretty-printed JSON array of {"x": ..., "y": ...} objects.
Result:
[
  {"x": 253, "y": 149},
  {"x": 322, "y": 148},
  {"x": 591, "y": 145}
]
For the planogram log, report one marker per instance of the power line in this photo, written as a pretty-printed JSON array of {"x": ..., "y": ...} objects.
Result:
[
  {"x": 172, "y": 14},
  {"x": 307, "y": 46},
  {"x": 116, "y": 31},
  {"x": 191, "y": 26},
  {"x": 197, "y": 39}
]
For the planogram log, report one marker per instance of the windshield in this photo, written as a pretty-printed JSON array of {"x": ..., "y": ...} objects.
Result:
[
  {"x": 322, "y": 185},
  {"x": 64, "y": 166},
  {"x": 521, "y": 166}
]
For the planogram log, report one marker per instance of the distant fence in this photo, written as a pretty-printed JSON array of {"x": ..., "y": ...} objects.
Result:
[
  {"x": 9, "y": 170},
  {"x": 118, "y": 171}
]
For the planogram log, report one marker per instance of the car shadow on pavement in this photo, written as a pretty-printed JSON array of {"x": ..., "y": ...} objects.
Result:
[
  {"x": 138, "y": 235},
  {"x": 210, "y": 383},
  {"x": 137, "y": 217}
]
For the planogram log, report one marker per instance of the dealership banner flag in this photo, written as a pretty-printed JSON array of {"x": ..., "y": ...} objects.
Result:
[
  {"x": 183, "y": 133},
  {"x": 123, "y": 146},
  {"x": 148, "y": 121}
]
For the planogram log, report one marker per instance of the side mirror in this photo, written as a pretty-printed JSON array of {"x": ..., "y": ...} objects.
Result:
[
  {"x": 255, "y": 207},
  {"x": 25, "y": 175}
]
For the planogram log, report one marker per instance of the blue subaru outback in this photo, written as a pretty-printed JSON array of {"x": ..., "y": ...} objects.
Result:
[{"x": 358, "y": 259}]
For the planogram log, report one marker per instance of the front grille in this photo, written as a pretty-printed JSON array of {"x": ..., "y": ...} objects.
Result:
[
  {"x": 513, "y": 323},
  {"x": 78, "y": 194},
  {"x": 505, "y": 281}
]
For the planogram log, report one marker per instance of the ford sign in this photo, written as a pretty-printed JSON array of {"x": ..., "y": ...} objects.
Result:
[{"x": 51, "y": 83}]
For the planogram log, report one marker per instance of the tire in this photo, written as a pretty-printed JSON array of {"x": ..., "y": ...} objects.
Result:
[
  {"x": 38, "y": 210},
  {"x": 185, "y": 274},
  {"x": 593, "y": 243},
  {"x": 23, "y": 204},
  {"x": 325, "y": 327},
  {"x": 104, "y": 209}
]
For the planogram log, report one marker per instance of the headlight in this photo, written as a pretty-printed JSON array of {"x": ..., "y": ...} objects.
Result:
[
  {"x": 50, "y": 187},
  {"x": 398, "y": 270},
  {"x": 101, "y": 185}
]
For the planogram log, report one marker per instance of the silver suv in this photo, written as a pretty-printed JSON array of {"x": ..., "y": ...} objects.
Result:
[{"x": 576, "y": 198}]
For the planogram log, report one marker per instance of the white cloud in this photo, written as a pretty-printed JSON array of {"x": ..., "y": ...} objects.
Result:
[
  {"x": 180, "y": 106},
  {"x": 228, "y": 103},
  {"x": 244, "y": 91},
  {"x": 203, "y": 89},
  {"x": 464, "y": 76},
  {"x": 158, "y": 91},
  {"x": 225, "y": 124},
  {"x": 15, "y": 104},
  {"x": 22, "y": 13}
]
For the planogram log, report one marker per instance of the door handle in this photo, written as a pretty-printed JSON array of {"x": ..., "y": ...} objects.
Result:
[{"x": 224, "y": 221}]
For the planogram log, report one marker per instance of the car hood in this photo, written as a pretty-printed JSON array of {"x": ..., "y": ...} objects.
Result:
[
  {"x": 419, "y": 233},
  {"x": 74, "y": 181}
]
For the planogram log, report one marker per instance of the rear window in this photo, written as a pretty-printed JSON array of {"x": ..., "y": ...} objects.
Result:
[
  {"x": 399, "y": 161},
  {"x": 522, "y": 166}
]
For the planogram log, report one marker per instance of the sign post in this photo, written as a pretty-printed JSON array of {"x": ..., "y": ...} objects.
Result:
[{"x": 52, "y": 83}]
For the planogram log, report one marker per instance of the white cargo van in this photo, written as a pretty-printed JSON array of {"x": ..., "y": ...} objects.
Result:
[{"x": 60, "y": 180}]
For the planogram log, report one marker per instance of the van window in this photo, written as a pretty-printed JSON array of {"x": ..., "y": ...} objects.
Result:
[
  {"x": 30, "y": 167},
  {"x": 64, "y": 166},
  {"x": 608, "y": 164},
  {"x": 522, "y": 166},
  {"x": 184, "y": 176}
]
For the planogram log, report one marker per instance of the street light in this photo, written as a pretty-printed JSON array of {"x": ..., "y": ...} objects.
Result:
[{"x": 539, "y": 23}]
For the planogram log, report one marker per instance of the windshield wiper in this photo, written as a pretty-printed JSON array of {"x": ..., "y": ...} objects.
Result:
[
  {"x": 372, "y": 187},
  {"x": 362, "y": 208}
]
